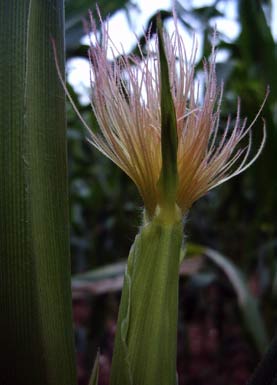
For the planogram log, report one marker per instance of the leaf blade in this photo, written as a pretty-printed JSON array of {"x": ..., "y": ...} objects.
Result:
[{"x": 35, "y": 300}]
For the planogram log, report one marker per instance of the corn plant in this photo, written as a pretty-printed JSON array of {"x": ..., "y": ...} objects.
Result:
[{"x": 154, "y": 127}]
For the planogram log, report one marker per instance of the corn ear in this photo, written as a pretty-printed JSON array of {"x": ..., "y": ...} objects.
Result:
[{"x": 145, "y": 346}]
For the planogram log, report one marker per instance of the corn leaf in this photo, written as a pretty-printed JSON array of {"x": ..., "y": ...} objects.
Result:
[
  {"x": 266, "y": 373},
  {"x": 36, "y": 338},
  {"x": 95, "y": 371},
  {"x": 104, "y": 272},
  {"x": 247, "y": 302}
]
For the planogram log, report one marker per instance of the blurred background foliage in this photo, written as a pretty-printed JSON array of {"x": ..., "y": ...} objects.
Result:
[{"x": 237, "y": 219}]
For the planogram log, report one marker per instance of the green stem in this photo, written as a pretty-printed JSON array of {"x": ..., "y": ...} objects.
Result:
[
  {"x": 36, "y": 336},
  {"x": 146, "y": 339}
]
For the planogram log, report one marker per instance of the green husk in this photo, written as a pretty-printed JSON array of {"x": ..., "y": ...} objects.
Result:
[
  {"x": 36, "y": 336},
  {"x": 168, "y": 180},
  {"x": 145, "y": 346}
]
